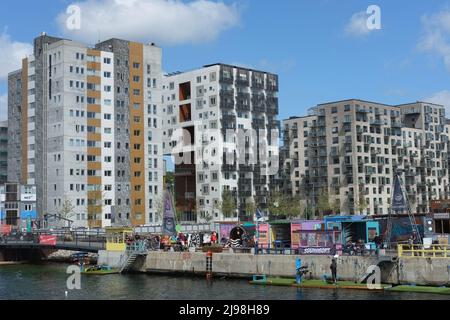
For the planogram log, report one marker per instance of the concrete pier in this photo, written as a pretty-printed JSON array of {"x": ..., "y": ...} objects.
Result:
[{"x": 350, "y": 268}]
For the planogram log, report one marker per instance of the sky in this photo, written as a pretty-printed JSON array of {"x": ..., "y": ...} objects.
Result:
[{"x": 322, "y": 50}]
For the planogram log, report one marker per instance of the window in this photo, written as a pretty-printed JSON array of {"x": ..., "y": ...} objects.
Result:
[
  {"x": 107, "y": 74},
  {"x": 136, "y": 78},
  {"x": 107, "y": 60},
  {"x": 136, "y": 65}
]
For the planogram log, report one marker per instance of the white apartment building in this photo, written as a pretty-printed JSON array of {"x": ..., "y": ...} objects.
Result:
[
  {"x": 351, "y": 149},
  {"x": 84, "y": 129},
  {"x": 220, "y": 123}
]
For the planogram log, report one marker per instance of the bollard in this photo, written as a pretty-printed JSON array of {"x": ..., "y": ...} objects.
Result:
[{"x": 209, "y": 273}]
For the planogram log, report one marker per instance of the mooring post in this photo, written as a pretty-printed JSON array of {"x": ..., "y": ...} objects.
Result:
[{"x": 209, "y": 273}]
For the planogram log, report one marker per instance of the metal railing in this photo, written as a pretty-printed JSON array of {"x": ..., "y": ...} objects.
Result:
[
  {"x": 434, "y": 251},
  {"x": 77, "y": 239},
  {"x": 139, "y": 246}
]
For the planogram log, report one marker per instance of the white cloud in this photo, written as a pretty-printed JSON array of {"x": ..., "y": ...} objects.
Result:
[
  {"x": 11, "y": 54},
  {"x": 357, "y": 26},
  {"x": 3, "y": 107},
  {"x": 436, "y": 35},
  {"x": 160, "y": 21},
  {"x": 442, "y": 98}
]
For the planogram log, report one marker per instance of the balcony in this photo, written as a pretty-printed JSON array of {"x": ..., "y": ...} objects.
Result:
[
  {"x": 262, "y": 193},
  {"x": 243, "y": 78},
  {"x": 375, "y": 152},
  {"x": 229, "y": 118},
  {"x": 361, "y": 110},
  {"x": 259, "y": 123},
  {"x": 240, "y": 106},
  {"x": 226, "y": 76},
  {"x": 376, "y": 122},
  {"x": 272, "y": 83},
  {"x": 227, "y": 99},
  {"x": 258, "y": 81},
  {"x": 274, "y": 124},
  {"x": 245, "y": 182},
  {"x": 262, "y": 180},
  {"x": 229, "y": 167},
  {"x": 397, "y": 124},
  {"x": 245, "y": 193},
  {"x": 245, "y": 168}
]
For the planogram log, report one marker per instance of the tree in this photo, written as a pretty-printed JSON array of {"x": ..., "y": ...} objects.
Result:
[
  {"x": 228, "y": 204},
  {"x": 250, "y": 207},
  {"x": 66, "y": 211},
  {"x": 170, "y": 179},
  {"x": 282, "y": 205},
  {"x": 277, "y": 203},
  {"x": 295, "y": 207},
  {"x": 323, "y": 203},
  {"x": 360, "y": 203},
  {"x": 336, "y": 206}
]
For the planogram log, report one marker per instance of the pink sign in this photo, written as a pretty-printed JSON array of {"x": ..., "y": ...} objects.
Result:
[
  {"x": 225, "y": 230},
  {"x": 264, "y": 236},
  {"x": 295, "y": 235},
  {"x": 5, "y": 229},
  {"x": 47, "y": 240}
]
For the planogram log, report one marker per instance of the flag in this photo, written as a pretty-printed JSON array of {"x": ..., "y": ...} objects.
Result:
[
  {"x": 398, "y": 201},
  {"x": 168, "y": 225},
  {"x": 258, "y": 214}
]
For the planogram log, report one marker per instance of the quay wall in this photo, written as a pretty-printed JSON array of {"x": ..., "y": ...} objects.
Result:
[{"x": 351, "y": 268}]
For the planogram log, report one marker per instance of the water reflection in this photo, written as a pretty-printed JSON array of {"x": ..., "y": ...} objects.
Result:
[{"x": 48, "y": 282}]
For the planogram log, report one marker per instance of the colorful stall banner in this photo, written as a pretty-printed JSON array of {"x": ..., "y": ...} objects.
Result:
[
  {"x": 263, "y": 240},
  {"x": 47, "y": 240},
  {"x": 225, "y": 230},
  {"x": 169, "y": 224},
  {"x": 295, "y": 235},
  {"x": 316, "y": 250},
  {"x": 5, "y": 229}
]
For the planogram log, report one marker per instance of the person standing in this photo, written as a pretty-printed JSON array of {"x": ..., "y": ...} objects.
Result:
[
  {"x": 333, "y": 268},
  {"x": 214, "y": 238}
]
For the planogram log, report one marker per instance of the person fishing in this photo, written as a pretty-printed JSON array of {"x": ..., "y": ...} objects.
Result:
[{"x": 333, "y": 268}]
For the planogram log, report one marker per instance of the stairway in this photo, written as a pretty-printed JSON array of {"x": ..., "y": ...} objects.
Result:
[
  {"x": 130, "y": 260},
  {"x": 132, "y": 253}
]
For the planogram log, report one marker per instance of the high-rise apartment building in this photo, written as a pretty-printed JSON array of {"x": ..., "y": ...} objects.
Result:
[
  {"x": 84, "y": 129},
  {"x": 3, "y": 152},
  {"x": 220, "y": 123},
  {"x": 350, "y": 150}
]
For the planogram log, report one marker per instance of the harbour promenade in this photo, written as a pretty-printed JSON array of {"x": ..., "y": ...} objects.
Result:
[{"x": 394, "y": 270}]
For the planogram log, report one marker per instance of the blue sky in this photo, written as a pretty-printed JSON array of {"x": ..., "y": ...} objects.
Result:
[{"x": 306, "y": 42}]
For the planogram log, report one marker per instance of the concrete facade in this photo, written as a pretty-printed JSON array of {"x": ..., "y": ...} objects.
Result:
[
  {"x": 3, "y": 152},
  {"x": 350, "y": 268},
  {"x": 73, "y": 136},
  {"x": 351, "y": 149},
  {"x": 220, "y": 122}
]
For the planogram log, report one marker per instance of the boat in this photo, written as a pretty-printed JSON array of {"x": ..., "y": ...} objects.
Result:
[{"x": 100, "y": 270}]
